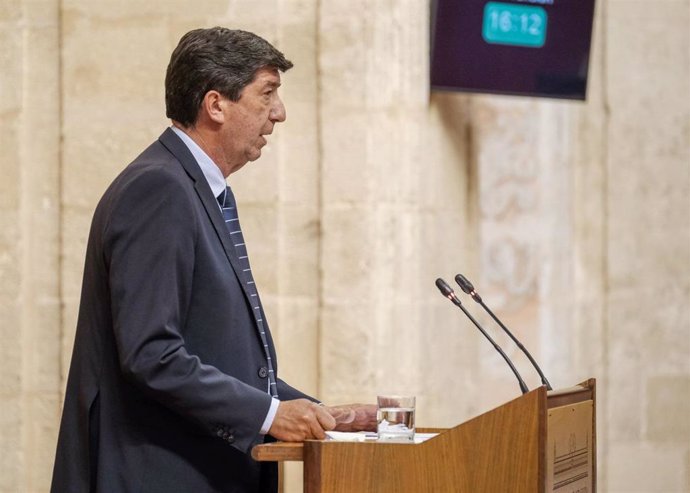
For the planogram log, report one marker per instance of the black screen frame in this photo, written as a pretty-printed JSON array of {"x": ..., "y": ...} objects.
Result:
[{"x": 461, "y": 60}]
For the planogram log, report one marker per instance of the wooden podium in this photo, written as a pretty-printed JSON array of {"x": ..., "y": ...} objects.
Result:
[{"x": 540, "y": 442}]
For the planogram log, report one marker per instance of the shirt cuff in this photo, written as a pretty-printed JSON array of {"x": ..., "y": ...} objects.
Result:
[{"x": 270, "y": 416}]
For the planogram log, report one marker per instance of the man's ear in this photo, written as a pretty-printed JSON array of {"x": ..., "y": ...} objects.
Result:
[{"x": 213, "y": 105}]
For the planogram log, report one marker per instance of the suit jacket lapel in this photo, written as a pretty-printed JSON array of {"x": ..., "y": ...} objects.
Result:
[{"x": 173, "y": 143}]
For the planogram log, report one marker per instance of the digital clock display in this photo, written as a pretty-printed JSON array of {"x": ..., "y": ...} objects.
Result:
[
  {"x": 519, "y": 47},
  {"x": 516, "y": 25}
]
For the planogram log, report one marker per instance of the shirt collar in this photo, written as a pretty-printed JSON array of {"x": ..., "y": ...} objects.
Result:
[{"x": 211, "y": 172}]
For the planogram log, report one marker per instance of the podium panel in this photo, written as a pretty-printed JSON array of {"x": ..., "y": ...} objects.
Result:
[
  {"x": 538, "y": 442},
  {"x": 497, "y": 451}
]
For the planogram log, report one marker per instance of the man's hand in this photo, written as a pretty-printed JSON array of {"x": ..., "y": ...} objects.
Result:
[
  {"x": 299, "y": 420},
  {"x": 354, "y": 417}
]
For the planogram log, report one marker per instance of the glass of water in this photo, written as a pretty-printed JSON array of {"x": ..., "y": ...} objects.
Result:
[{"x": 395, "y": 418}]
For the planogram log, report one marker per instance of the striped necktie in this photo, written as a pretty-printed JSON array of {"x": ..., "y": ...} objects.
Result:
[{"x": 232, "y": 221}]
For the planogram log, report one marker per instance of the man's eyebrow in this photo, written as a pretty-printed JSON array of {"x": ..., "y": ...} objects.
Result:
[{"x": 272, "y": 84}]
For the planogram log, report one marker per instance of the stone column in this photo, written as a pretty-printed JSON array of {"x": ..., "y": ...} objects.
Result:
[
  {"x": 648, "y": 245},
  {"x": 29, "y": 243},
  {"x": 393, "y": 185}
]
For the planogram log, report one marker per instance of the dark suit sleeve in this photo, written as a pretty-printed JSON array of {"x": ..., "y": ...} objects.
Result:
[{"x": 150, "y": 246}]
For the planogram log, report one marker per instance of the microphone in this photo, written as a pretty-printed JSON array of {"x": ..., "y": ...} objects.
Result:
[
  {"x": 448, "y": 292},
  {"x": 468, "y": 288}
]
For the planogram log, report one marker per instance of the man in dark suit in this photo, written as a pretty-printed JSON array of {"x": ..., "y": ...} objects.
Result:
[{"x": 173, "y": 377}]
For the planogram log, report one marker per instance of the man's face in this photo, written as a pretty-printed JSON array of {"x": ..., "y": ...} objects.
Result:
[{"x": 250, "y": 118}]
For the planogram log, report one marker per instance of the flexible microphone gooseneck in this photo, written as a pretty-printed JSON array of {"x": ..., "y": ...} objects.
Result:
[
  {"x": 468, "y": 288},
  {"x": 448, "y": 292}
]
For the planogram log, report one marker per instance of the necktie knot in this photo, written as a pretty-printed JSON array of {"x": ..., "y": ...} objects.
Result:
[{"x": 226, "y": 198}]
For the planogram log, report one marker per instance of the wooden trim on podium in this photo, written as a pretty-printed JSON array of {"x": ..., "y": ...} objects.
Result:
[
  {"x": 571, "y": 395},
  {"x": 294, "y": 451},
  {"x": 279, "y": 452}
]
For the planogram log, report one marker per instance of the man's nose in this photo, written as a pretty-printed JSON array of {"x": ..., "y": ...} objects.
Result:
[{"x": 278, "y": 111}]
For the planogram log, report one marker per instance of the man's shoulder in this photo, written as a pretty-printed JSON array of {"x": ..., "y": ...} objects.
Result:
[
  {"x": 168, "y": 156},
  {"x": 155, "y": 162},
  {"x": 156, "y": 172},
  {"x": 152, "y": 172}
]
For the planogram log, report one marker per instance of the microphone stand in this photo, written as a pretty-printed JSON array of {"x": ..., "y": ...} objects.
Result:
[
  {"x": 468, "y": 288},
  {"x": 450, "y": 294}
]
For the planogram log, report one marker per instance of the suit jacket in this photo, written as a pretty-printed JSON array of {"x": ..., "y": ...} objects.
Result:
[{"x": 167, "y": 388}]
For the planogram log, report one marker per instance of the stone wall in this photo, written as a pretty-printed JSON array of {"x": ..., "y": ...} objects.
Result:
[
  {"x": 30, "y": 315},
  {"x": 572, "y": 219}
]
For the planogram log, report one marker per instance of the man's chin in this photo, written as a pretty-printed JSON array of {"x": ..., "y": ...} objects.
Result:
[{"x": 254, "y": 155}]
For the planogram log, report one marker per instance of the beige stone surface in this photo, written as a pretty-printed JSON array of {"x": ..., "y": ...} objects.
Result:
[
  {"x": 12, "y": 459},
  {"x": 29, "y": 256},
  {"x": 668, "y": 409},
  {"x": 637, "y": 467},
  {"x": 571, "y": 218},
  {"x": 648, "y": 248}
]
